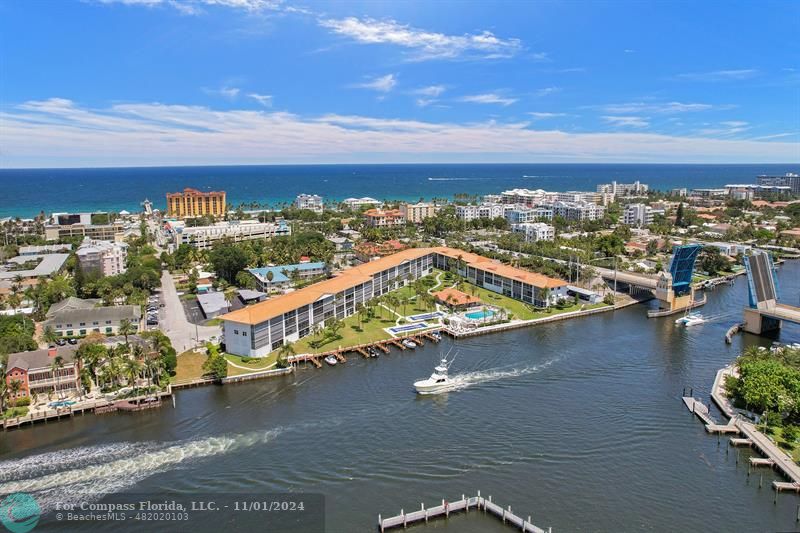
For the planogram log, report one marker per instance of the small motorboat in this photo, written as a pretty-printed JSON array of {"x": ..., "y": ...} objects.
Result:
[
  {"x": 331, "y": 360},
  {"x": 372, "y": 352},
  {"x": 438, "y": 381},
  {"x": 691, "y": 319},
  {"x": 408, "y": 343}
]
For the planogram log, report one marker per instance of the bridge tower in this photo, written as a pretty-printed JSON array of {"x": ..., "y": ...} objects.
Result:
[
  {"x": 674, "y": 289},
  {"x": 762, "y": 285}
]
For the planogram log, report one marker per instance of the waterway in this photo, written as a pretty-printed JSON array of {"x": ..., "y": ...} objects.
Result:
[{"x": 577, "y": 423}]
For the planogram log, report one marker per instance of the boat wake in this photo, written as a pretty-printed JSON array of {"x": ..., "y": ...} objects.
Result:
[
  {"x": 470, "y": 379},
  {"x": 94, "y": 471}
]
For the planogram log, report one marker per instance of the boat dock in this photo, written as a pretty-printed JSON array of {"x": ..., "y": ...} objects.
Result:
[
  {"x": 773, "y": 456},
  {"x": 94, "y": 406},
  {"x": 363, "y": 349},
  {"x": 477, "y": 503}
]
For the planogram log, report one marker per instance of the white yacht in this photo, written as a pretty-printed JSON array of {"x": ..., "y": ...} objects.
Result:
[
  {"x": 691, "y": 319},
  {"x": 331, "y": 360},
  {"x": 438, "y": 380}
]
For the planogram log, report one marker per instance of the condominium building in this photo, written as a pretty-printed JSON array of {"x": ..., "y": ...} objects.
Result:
[
  {"x": 751, "y": 191},
  {"x": 100, "y": 232},
  {"x": 535, "y": 231},
  {"x": 708, "y": 193},
  {"x": 578, "y": 210},
  {"x": 418, "y": 212},
  {"x": 485, "y": 210},
  {"x": 623, "y": 189},
  {"x": 75, "y": 317},
  {"x": 193, "y": 203},
  {"x": 789, "y": 179},
  {"x": 238, "y": 230},
  {"x": 681, "y": 191},
  {"x": 39, "y": 373},
  {"x": 102, "y": 257},
  {"x": 383, "y": 218},
  {"x": 257, "y": 330},
  {"x": 639, "y": 215},
  {"x": 370, "y": 251},
  {"x": 529, "y": 197},
  {"x": 520, "y": 215},
  {"x": 357, "y": 203},
  {"x": 312, "y": 202}
]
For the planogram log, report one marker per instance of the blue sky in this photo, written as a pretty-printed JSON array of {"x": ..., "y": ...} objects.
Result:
[{"x": 162, "y": 82}]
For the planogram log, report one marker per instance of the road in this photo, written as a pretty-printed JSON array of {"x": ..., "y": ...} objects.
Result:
[{"x": 180, "y": 331}]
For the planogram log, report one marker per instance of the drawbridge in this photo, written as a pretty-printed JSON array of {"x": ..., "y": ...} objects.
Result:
[{"x": 765, "y": 313}]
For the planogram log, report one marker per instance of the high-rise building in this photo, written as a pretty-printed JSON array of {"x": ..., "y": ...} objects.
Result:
[
  {"x": 418, "y": 212},
  {"x": 623, "y": 189},
  {"x": 790, "y": 179},
  {"x": 639, "y": 215},
  {"x": 193, "y": 203}
]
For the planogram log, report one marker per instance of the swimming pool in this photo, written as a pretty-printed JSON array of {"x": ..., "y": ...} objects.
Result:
[
  {"x": 404, "y": 329},
  {"x": 480, "y": 315}
]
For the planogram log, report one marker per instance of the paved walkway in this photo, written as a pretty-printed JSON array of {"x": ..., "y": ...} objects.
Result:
[{"x": 181, "y": 332}]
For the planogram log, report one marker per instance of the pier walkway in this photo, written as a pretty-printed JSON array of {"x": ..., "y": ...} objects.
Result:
[{"x": 443, "y": 510}]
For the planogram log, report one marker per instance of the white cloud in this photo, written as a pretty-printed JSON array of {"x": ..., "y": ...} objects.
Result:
[
  {"x": 488, "y": 98},
  {"x": 542, "y": 115},
  {"x": 548, "y": 91},
  {"x": 192, "y": 7},
  {"x": 226, "y": 92},
  {"x": 425, "y": 44},
  {"x": 726, "y": 127},
  {"x": 432, "y": 91},
  {"x": 58, "y": 132},
  {"x": 720, "y": 75},
  {"x": 263, "y": 99},
  {"x": 382, "y": 84},
  {"x": 627, "y": 121},
  {"x": 656, "y": 107}
]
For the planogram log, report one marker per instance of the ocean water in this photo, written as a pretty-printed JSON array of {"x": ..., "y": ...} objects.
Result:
[{"x": 26, "y": 192}]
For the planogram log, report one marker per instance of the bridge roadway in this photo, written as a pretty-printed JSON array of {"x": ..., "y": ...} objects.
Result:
[
  {"x": 631, "y": 278},
  {"x": 782, "y": 312}
]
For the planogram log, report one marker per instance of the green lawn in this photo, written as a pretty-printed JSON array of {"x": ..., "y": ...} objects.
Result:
[
  {"x": 190, "y": 366},
  {"x": 255, "y": 364},
  {"x": 793, "y": 450},
  {"x": 371, "y": 331},
  {"x": 522, "y": 310}
]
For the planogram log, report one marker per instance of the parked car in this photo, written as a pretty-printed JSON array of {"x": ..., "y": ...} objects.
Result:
[
  {"x": 72, "y": 340},
  {"x": 61, "y": 342}
]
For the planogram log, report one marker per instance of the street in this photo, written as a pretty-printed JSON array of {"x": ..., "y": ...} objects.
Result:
[{"x": 174, "y": 324}]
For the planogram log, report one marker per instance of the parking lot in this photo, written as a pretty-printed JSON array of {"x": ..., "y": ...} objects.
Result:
[
  {"x": 191, "y": 309},
  {"x": 154, "y": 311}
]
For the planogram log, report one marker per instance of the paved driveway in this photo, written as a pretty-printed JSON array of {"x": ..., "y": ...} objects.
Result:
[{"x": 181, "y": 332}]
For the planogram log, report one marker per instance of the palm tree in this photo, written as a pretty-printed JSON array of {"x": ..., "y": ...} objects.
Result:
[
  {"x": 49, "y": 334},
  {"x": 285, "y": 351},
  {"x": 126, "y": 328},
  {"x": 270, "y": 275},
  {"x": 55, "y": 368},
  {"x": 13, "y": 389},
  {"x": 131, "y": 371},
  {"x": 3, "y": 392}
]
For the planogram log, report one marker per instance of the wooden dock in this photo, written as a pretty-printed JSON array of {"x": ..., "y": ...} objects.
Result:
[
  {"x": 701, "y": 411},
  {"x": 477, "y": 503},
  {"x": 741, "y": 442},
  {"x": 761, "y": 461}
]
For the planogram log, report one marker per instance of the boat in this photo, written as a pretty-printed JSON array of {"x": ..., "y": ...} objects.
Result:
[
  {"x": 438, "y": 381},
  {"x": 436, "y": 335},
  {"x": 331, "y": 360},
  {"x": 408, "y": 343},
  {"x": 691, "y": 319}
]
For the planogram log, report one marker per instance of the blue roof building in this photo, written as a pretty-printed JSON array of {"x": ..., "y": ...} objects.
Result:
[{"x": 281, "y": 274}]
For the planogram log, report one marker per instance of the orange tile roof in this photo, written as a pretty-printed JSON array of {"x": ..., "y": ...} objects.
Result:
[
  {"x": 456, "y": 297},
  {"x": 273, "y": 307}
]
